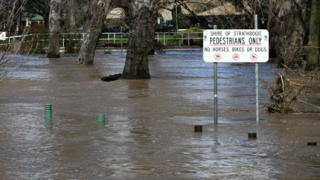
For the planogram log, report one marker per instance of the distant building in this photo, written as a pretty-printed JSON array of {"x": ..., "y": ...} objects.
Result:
[
  {"x": 166, "y": 14},
  {"x": 115, "y": 15},
  {"x": 218, "y": 15},
  {"x": 32, "y": 20},
  {"x": 226, "y": 9}
]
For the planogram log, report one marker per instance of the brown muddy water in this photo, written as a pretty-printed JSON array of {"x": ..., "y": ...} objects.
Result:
[{"x": 149, "y": 130}]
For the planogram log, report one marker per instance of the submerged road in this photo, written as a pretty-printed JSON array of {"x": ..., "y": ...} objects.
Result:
[{"x": 149, "y": 129}]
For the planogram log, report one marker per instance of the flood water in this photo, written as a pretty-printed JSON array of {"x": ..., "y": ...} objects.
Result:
[{"x": 149, "y": 128}]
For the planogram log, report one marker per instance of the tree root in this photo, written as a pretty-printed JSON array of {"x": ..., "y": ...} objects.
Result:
[{"x": 111, "y": 77}]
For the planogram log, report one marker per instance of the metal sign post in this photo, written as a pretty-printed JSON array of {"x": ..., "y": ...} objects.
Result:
[
  {"x": 215, "y": 89},
  {"x": 215, "y": 93},
  {"x": 257, "y": 76},
  {"x": 236, "y": 46}
]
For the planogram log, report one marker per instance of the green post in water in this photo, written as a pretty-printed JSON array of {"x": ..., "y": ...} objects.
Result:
[
  {"x": 48, "y": 112},
  {"x": 101, "y": 120},
  {"x": 48, "y": 124}
]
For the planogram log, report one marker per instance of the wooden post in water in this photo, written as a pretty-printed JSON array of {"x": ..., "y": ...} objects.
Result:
[{"x": 197, "y": 128}]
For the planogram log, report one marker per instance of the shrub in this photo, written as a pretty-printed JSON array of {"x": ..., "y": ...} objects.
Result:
[
  {"x": 195, "y": 29},
  {"x": 72, "y": 47},
  {"x": 174, "y": 41}
]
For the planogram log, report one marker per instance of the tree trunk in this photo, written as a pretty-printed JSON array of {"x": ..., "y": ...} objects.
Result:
[
  {"x": 314, "y": 38},
  {"x": 98, "y": 14},
  {"x": 287, "y": 30},
  {"x": 72, "y": 20},
  {"x": 137, "y": 65},
  {"x": 18, "y": 24},
  {"x": 152, "y": 31},
  {"x": 54, "y": 28},
  {"x": 46, "y": 20}
]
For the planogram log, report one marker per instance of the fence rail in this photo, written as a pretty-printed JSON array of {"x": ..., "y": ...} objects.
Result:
[{"x": 165, "y": 38}]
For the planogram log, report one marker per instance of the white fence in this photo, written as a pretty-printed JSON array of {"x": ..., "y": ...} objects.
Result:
[{"x": 178, "y": 38}]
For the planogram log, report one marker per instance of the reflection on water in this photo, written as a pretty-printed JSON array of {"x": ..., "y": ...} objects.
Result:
[
  {"x": 138, "y": 89},
  {"x": 148, "y": 133}
]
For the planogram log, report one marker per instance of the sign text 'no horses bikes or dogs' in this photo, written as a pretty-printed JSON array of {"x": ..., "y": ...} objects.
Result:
[{"x": 236, "y": 45}]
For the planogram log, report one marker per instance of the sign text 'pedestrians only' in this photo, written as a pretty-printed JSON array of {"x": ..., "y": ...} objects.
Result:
[{"x": 236, "y": 45}]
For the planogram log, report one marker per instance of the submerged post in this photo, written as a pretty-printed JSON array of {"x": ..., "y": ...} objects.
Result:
[
  {"x": 48, "y": 116},
  {"x": 215, "y": 89},
  {"x": 101, "y": 120},
  {"x": 257, "y": 76},
  {"x": 252, "y": 135},
  {"x": 48, "y": 112},
  {"x": 197, "y": 128}
]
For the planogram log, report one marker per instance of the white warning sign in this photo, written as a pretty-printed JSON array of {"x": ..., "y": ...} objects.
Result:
[
  {"x": 250, "y": 45},
  {"x": 3, "y": 36}
]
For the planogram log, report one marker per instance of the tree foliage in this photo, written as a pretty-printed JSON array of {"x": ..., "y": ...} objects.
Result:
[
  {"x": 10, "y": 11},
  {"x": 40, "y": 7}
]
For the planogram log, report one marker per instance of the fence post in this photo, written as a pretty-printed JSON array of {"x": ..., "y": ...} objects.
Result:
[
  {"x": 42, "y": 40},
  {"x": 63, "y": 40},
  {"x": 121, "y": 44},
  {"x": 188, "y": 39},
  {"x": 108, "y": 36},
  {"x": 114, "y": 38},
  {"x": 37, "y": 37},
  {"x": 157, "y": 37},
  {"x": 164, "y": 38},
  {"x": 182, "y": 38}
]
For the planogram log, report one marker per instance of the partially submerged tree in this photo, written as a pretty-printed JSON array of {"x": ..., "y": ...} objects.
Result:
[
  {"x": 54, "y": 29},
  {"x": 287, "y": 27},
  {"x": 314, "y": 37},
  {"x": 97, "y": 14},
  {"x": 143, "y": 19},
  {"x": 291, "y": 24},
  {"x": 143, "y": 16}
]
